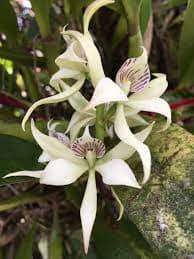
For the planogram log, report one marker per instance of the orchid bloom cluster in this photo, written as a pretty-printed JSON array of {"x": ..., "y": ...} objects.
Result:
[{"x": 68, "y": 158}]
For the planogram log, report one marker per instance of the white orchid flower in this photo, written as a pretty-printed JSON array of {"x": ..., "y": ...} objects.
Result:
[
  {"x": 80, "y": 58},
  {"x": 86, "y": 154},
  {"x": 133, "y": 76}
]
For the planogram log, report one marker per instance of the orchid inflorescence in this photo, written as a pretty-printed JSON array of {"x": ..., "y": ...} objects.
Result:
[{"x": 68, "y": 158}]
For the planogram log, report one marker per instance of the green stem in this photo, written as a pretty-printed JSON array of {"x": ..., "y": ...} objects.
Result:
[
  {"x": 131, "y": 10},
  {"x": 99, "y": 126}
]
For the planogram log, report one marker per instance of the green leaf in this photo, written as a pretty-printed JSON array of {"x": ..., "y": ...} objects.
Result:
[
  {"x": 186, "y": 48},
  {"x": 56, "y": 245},
  {"x": 42, "y": 12},
  {"x": 25, "y": 250},
  {"x": 15, "y": 129},
  {"x": 30, "y": 83},
  {"x": 18, "y": 200},
  {"x": 120, "y": 242},
  {"x": 145, "y": 13},
  {"x": 16, "y": 155},
  {"x": 19, "y": 56},
  {"x": 8, "y": 21}
]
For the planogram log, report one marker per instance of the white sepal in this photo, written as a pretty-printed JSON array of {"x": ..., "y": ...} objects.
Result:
[
  {"x": 117, "y": 172},
  {"x": 156, "y": 105},
  {"x": 35, "y": 174},
  {"x": 52, "y": 146},
  {"x": 124, "y": 133},
  {"x": 88, "y": 209},
  {"x": 120, "y": 205},
  {"x": 124, "y": 151},
  {"x": 90, "y": 10},
  {"x": 154, "y": 89}
]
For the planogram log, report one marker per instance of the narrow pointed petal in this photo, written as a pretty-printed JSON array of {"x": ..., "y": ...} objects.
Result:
[
  {"x": 156, "y": 105},
  {"x": 53, "y": 147},
  {"x": 44, "y": 157},
  {"x": 117, "y": 172},
  {"x": 77, "y": 100},
  {"x": 124, "y": 133},
  {"x": 134, "y": 74},
  {"x": 53, "y": 99},
  {"x": 88, "y": 209},
  {"x": 106, "y": 91},
  {"x": 124, "y": 151},
  {"x": 62, "y": 172},
  {"x": 120, "y": 205},
  {"x": 154, "y": 89},
  {"x": 63, "y": 73},
  {"x": 35, "y": 174},
  {"x": 92, "y": 55},
  {"x": 91, "y": 9}
]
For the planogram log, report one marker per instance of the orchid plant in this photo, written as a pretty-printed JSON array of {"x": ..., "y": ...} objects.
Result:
[{"x": 68, "y": 155}]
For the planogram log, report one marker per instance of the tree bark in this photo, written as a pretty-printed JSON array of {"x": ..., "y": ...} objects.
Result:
[{"x": 164, "y": 209}]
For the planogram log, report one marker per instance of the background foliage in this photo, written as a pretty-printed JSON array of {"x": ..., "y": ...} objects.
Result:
[{"x": 30, "y": 40}]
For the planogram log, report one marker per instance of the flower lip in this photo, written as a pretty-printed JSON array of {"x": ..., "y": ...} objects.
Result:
[{"x": 81, "y": 147}]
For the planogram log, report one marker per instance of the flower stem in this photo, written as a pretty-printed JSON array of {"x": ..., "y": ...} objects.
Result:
[
  {"x": 131, "y": 10},
  {"x": 99, "y": 126}
]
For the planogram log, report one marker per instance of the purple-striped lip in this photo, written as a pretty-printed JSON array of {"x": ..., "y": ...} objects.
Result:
[{"x": 80, "y": 147}]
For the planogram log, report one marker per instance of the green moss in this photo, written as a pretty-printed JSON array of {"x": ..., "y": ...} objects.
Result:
[{"x": 164, "y": 209}]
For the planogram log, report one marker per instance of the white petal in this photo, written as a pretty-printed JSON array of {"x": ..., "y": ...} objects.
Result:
[
  {"x": 44, "y": 157},
  {"x": 53, "y": 99},
  {"x": 157, "y": 105},
  {"x": 77, "y": 100},
  {"x": 72, "y": 58},
  {"x": 96, "y": 71},
  {"x": 123, "y": 132},
  {"x": 117, "y": 172},
  {"x": 91, "y": 9},
  {"x": 35, "y": 174},
  {"x": 52, "y": 146},
  {"x": 154, "y": 89},
  {"x": 124, "y": 151},
  {"x": 62, "y": 172},
  {"x": 106, "y": 91},
  {"x": 134, "y": 74},
  {"x": 88, "y": 209}
]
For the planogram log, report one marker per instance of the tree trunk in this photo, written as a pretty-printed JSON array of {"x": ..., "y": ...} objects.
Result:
[{"x": 164, "y": 209}]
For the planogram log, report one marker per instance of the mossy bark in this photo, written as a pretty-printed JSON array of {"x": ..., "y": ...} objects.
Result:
[{"x": 164, "y": 209}]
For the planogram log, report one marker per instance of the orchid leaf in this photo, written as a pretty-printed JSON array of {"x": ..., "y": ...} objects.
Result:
[
  {"x": 25, "y": 249},
  {"x": 186, "y": 62},
  {"x": 56, "y": 245},
  {"x": 16, "y": 155},
  {"x": 8, "y": 26},
  {"x": 42, "y": 11},
  {"x": 145, "y": 13},
  {"x": 125, "y": 239}
]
